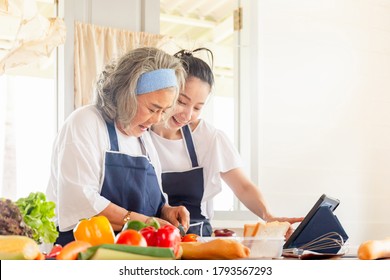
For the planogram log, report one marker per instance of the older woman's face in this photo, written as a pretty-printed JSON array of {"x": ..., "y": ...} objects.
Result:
[
  {"x": 151, "y": 107},
  {"x": 190, "y": 103}
]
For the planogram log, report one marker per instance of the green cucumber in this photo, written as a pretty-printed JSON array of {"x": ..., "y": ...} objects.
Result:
[
  {"x": 109, "y": 254},
  {"x": 114, "y": 251}
]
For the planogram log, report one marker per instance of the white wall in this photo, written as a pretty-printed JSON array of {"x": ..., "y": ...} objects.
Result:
[{"x": 324, "y": 109}]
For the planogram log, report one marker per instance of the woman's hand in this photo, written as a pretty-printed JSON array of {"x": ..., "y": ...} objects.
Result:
[
  {"x": 160, "y": 221},
  {"x": 286, "y": 219},
  {"x": 176, "y": 215}
]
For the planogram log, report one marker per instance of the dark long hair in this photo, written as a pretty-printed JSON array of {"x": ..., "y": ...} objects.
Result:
[{"x": 196, "y": 67}]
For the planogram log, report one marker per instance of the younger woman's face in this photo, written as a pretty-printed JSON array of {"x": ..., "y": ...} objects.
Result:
[{"x": 190, "y": 103}]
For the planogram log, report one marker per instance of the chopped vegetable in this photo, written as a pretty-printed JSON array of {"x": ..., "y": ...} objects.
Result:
[{"x": 96, "y": 230}]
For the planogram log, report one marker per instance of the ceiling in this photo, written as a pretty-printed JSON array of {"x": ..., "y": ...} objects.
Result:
[
  {"x": 193, "y": 23},
  {"x": 198, "y": 20},
  {"x": 202, "y": 23}
]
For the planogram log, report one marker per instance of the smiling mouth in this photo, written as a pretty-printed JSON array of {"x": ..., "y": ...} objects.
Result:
[
  {"x": 178, "y": 123},
  {"x": 143, "y": 128}
]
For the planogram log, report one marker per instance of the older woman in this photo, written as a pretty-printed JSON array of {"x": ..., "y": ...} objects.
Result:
[{"x": 103, "y": 163}]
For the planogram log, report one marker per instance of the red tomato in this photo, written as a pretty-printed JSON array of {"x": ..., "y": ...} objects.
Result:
[
  {"x": 130, "y": 237},
  {"x": 190, "y": 237}
]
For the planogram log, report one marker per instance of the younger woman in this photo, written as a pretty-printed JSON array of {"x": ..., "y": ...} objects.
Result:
[{"x": 195, "y": 156}]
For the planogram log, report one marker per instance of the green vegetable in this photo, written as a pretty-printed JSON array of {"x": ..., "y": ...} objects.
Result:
[
  {"x": 153, "y": 222},
  {"x": 11, "y": 219},
  {"x": 126, "y": 252},
  {"x": 38, "y": 214},
  {"x": 109, "y": 254},
  {"x": 136, "y": 225}
]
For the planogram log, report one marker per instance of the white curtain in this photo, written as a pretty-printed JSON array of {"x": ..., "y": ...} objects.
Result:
[{"x": 95, "y": 46}]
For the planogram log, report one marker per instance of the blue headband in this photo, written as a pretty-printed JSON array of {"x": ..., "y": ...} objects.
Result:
[{"x": 155, "y": 80}]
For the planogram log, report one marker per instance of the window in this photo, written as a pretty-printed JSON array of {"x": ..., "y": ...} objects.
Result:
[
  {"x": 220, "y": 111},
  {"x": 28, "y": 124},
  {"x": 195, "y": 24}
]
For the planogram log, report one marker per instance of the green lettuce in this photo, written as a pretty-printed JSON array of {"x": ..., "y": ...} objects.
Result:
[{"x": 38, "y": 213}]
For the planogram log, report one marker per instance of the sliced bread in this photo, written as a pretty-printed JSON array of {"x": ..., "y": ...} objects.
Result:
[{"x": 266, "y": 230}]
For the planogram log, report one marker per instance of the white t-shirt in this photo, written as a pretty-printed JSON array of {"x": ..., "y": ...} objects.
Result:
[
  {"x": 77, "y": 168},
  {"x": 215, "y": 154}
]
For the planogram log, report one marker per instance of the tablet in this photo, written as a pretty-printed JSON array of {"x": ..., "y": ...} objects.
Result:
[{"x": 323, "y": 201}]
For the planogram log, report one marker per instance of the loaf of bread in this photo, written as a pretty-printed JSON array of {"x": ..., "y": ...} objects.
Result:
[
  {"x": 266, "y": 230},
  {"x": 217, "y": 249},
  {"x": 374, "y": 249}
]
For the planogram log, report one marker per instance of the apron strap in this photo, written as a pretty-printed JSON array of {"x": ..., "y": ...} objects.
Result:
[
  {"x": 113, "y": 137},
  {"x": 190, "y": 145},
  {"x": 143, "y": 147}
]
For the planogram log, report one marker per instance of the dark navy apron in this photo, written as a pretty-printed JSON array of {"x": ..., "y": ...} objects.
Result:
[
  {"x": 129, "y": 181},
  {"x": 186, "y": 188}
]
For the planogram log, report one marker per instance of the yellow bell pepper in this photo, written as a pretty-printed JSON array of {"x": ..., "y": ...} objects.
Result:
[{"x": 96, "y": 230}]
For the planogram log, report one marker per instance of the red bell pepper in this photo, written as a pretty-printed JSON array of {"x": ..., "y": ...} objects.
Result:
[
  {"x": 54, "y": 251},
  {"x": 166, "y": 236},
  {"x": 149, "y": 233}
]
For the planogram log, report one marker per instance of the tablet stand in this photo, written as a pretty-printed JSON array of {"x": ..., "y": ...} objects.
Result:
[{"x": 323, "y": 233}]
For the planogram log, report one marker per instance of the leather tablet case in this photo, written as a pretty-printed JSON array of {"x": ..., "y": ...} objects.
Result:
[{"x": 317, "y": 235}]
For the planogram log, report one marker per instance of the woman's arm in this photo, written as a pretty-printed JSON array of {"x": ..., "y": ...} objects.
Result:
[
  {"x": 116, "y": 214},
  {"x": 249, "y": 194},
  {"x": 169, "y": 214}
]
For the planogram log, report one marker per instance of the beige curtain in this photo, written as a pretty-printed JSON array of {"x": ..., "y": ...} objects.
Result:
[
  {"x": 95, "y": 46},
  {"x": 26, "y": 36}
]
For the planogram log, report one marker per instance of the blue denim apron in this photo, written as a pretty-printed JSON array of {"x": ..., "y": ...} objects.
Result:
[
  {"x": 186, "y": 188},
  {"x": 129, "y": 181}
]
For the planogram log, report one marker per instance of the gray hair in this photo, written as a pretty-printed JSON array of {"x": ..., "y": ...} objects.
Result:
[{"x": 115, "y": 94}]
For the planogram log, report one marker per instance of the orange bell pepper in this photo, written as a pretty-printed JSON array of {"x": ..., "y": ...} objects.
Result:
[{"x": 96, "y": 230}]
